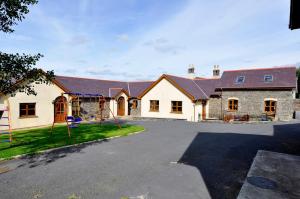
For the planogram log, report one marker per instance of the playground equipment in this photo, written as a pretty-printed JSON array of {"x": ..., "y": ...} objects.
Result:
[
  {"x": 74, "y": 120},
  {"x": 6, "y": 116}
]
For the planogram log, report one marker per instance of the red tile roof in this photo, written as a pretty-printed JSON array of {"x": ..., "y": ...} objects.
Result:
[{"x": 283, "y": 78}]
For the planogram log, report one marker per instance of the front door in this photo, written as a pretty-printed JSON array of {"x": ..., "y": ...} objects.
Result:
[
  {"x": 203, "y": 110},
  {"x": 60, "y": 110},
  {"x": 121, "y": 106}
]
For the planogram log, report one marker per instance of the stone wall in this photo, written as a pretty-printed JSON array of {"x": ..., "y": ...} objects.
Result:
[
  {"x": 297, "y": 104},
  {"x": 90, "y": 108},
  {"x": 137, "y": 111},
  {"x": 252, "y": 103},
  {"x": 215, "y": 108}
]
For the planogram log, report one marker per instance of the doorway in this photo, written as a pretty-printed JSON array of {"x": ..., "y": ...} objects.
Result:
[
  {"x": 60, "y": 110},
  {"x": 204, "y": 110},
  {"x": 121, "y": 106}
]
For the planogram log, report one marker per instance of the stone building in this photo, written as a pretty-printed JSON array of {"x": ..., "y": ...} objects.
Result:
[
  {"x": 255, "y": 93},
  {"x": 258, "y": 92},
  {"x": 120, "y": 96}
]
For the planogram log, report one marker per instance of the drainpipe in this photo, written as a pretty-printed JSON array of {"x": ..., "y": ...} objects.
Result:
[
  {"x": 194, "y": 112},
  {"x": 222, "y": 116}
]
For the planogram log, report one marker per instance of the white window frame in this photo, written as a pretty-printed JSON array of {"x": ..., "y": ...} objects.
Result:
[
  {"x": 238, "y": 77},
  {"x": 267, "y": 76}
]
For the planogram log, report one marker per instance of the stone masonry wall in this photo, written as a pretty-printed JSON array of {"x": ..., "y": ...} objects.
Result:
[
  {"x": 215, "y": 108},
  {"x": 91, "y": 108},
  {"x": 252, "y": 102},
  {"x": 297, "y": 104},
  {"x": 135, "y": 112}
]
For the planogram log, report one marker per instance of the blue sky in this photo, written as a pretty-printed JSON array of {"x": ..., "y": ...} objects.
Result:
[{"x": 141, "y": 39}]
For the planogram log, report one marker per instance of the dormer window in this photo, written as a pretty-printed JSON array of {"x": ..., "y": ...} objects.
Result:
[
  {"x": 268, "y": 78},
  {"x": 240, "y": 79}
]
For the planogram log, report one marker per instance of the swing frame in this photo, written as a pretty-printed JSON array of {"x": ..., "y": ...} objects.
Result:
[{"x": 77, "y": 96}]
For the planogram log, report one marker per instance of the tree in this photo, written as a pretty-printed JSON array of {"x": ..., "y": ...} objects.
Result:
[
  {"x": 17, "y": 72},
  {"x": 12, "y": 11}
]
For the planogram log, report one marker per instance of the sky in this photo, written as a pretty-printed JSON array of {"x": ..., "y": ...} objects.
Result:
[{"x": 142, "y": 39}]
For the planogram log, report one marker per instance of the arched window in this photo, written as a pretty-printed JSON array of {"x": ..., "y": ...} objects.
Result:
[
  {"x": 270, "y": 106},
  {"x": 233, "y": 104}
]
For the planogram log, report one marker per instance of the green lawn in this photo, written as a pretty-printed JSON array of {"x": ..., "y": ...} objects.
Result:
[{"x": 35, "y": 140}]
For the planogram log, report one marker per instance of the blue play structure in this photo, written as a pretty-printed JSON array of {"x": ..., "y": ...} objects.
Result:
[{"x": 74, "y": 121}]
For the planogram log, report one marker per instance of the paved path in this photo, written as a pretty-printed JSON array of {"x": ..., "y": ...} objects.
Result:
[{"x": 213, "y": 162}]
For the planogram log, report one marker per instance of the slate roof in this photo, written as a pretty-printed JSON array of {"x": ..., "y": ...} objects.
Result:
[
  {"x": 198, "y": 88},
  {"x": 106, "y": 88},
  {"x": 192, "y": 86},
  {"x": 208, "y": 85},
  {"x": 283, "y": 78}
]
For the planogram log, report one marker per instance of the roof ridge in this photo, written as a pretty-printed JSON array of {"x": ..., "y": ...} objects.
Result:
[
  {"x": 87, "y": 78},
  {"x": 141, "y": 81},
  {"x": 200, "y": 88},
  {"x": 210, "y": 78},
  {"x": 178, "y": 76},
  {"x": 270, "y": 68}
]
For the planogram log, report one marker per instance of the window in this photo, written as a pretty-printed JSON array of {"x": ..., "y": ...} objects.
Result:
[
  {"x": 101, "y": 104},
  {"x": 270, "y": 106},
  {"x": 27, "y": 109},
  {"x": 268, "y": 78},
  {"x": 176, "y": 106},
  {"x": 233, "y": 104},
  {"x": 134, "y": 104},
  {"x": 240, "y": 79},
  {"x": 154, "y": 105}
]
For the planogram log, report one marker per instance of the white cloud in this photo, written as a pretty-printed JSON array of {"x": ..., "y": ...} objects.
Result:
[
  {"x": 223, "y": 32},
  {"x": 123, "y": 37}
]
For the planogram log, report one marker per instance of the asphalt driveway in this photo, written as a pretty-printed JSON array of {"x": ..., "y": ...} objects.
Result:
[{"x": 170, "y": 160}]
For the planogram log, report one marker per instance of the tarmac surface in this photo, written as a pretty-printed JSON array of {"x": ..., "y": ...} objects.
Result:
[{"x": 170, "y": 160}]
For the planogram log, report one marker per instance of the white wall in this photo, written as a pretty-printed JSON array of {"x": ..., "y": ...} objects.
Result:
[
  {"x": 46, "y": 94},
  {"x": 165, "y": 92}
]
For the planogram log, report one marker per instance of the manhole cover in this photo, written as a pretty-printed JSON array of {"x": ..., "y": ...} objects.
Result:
[{"x": 262, "y": 182}]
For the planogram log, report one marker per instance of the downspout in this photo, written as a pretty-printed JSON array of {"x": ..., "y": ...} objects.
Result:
[
  {"x": 222, "y": 116},
  {"x": 194, "y": 112}
]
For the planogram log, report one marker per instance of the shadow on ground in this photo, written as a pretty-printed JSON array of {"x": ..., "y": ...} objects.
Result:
[{"x": 223, "y": 159}]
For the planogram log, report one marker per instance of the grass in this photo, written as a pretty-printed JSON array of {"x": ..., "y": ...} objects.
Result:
[{"x": 34, "y": 140}]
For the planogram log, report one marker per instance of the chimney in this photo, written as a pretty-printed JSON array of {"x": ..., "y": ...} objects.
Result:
[
  {"x": 216, "y": 71},
  {"x": 191, "y": 71}
]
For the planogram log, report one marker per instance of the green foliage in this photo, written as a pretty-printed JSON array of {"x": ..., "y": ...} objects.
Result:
[
  {"x": 298, "y": 72},
  {"x": 35, "y": 140},
  {"x": 12, "y": 11},
  {"x": 17, "y": 73}
]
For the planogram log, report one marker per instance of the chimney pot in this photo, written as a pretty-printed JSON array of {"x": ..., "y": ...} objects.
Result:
[{"x": 216, "y": 71}]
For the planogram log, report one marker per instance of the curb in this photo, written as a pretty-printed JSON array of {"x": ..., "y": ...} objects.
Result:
[{"x": 66, "y": 147}]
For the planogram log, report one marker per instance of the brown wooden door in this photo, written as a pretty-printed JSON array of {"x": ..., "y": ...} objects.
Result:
[
  {"x": 121, "y": 106},
  {"x": 60, "y": 110},
  {"x": 203, "y": 110}
]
